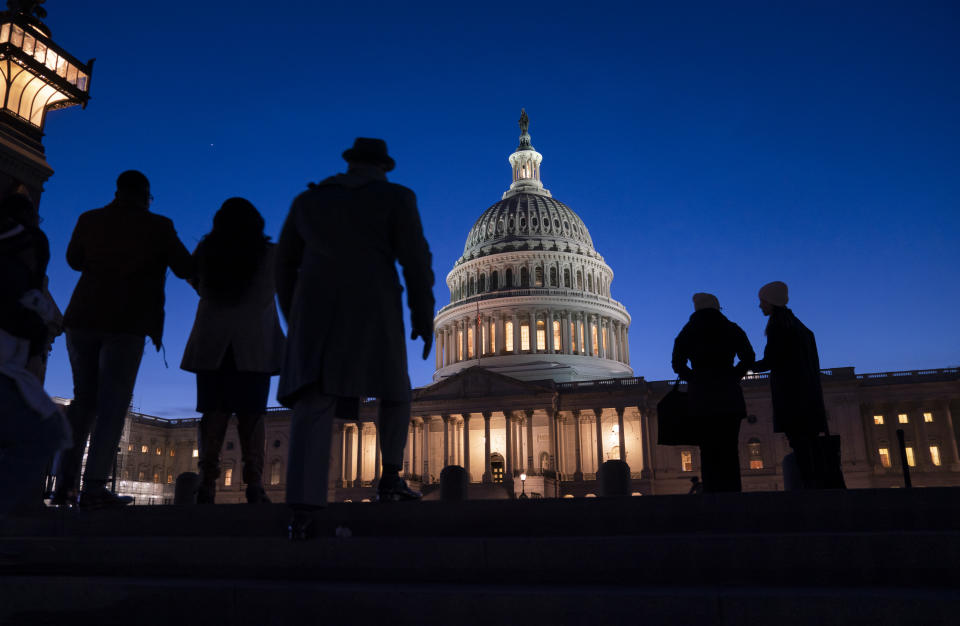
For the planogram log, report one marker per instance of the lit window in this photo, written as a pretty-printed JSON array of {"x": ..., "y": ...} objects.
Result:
[
  {"x": 605, "y": 341},
  {"x": 508, "y": 336},
  {"x": 541, "y": 335},
  {"x": 228, "y": 477},
  {"x": 686, "y": 461},
  {"x": 156, "y": 477},
  {"x": 589, "y": 282},
  {"x": 556, "y": 335},
  {"x": 593, "y": 339},
  {"x": 524, "y": 337},
  {"x": 566, "y": 278},
  {"x": 928, "y": 417},
  {"x": 130, "y": 447},
  {"x": 493, "y": 337},
  {"x": 884, "y": 456},
  {"x": 553, "y": 277},
  {"x": 902, "y": 418},
  {"x": 172, "y": 452},
  {"x": 538, "y": 277},
  {"x": 159, "y": 451},
  {"x": 470, "y": 342},
  {"x": 756, "y": 457},
  {"x": 275, "y": 473},
  {"x": 459, "y": 345},
  {"x": 911, "y": 459},
  {"x": 935, "y": 455},
  {"x": 141, "y": 475},
  {"x": 196, "y": 453},
  {"x": 143, "y": 449},
  {"x": 573, "y": 337},
  {"x": 169, "y": 479},
  {"x": 878, "y": 420},
  {"x": 581, "y": 338}
]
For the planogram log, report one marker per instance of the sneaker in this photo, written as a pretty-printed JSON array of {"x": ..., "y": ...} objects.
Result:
[
  {"x": 395, "y": 489},
  {"x": 66, "y": 498},
  {"x": 102, "y": 498},
  {"x": 256, "y": 495}
]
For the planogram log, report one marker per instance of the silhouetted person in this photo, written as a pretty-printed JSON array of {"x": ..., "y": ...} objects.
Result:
[
  {"x": 709, "y": 341},
  {"x": 696, "y": 487},
  {"x": 32, "y": 428},
  {"x": 122, "y": 251},
  {"x": 236, "y": 343},
  {"x": 791, "y": 356},
  {"x": 339, "y": 291}
]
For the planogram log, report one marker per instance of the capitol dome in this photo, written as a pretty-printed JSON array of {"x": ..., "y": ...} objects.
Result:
[{"x": 530, "y": 296}]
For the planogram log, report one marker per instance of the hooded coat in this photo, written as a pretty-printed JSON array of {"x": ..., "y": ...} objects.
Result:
[
  {"x": 123, "y": 254},
  {"x": 791, "y": 356},
  {"x": 710, "y": 341},
  {"x": 338, "y": 287}
]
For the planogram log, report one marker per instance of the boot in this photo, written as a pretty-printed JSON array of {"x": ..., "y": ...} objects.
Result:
[{"x": 256, "y": 494}]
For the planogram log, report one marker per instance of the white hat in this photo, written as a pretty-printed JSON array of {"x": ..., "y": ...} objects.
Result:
[
  {"x": 705, "y": 301},
  {"x": 774, "y": 293}
]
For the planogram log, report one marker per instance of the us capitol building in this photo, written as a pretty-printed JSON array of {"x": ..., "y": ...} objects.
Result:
[{"x": 533, "y": 389}]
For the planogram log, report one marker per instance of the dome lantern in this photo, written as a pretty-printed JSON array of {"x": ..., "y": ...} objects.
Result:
[{"x": 526, "y": 164}]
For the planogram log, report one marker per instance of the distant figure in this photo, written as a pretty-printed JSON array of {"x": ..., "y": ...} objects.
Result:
[
  {"x": 709, "y": 342},
  {"x": 32, "y": 428},
  {"x": 791, "y": 356},
  {"x": 339, "y": 291},
  {"x": 236, "y": 344},
  {"x": 696, "y": 487},
  {"x": 123, "y": 252}
]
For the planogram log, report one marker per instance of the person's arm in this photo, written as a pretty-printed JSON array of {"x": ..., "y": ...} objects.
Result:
[
  {"x": 771, "y": 351},
  {"x": 75, "y": 253},
  {"x": 289, "y": 256},
  {"x": 414, "y": 256},
  {"x": 745, "y": 353},
  {"x": 679, "y": 359},
  {"x": 178, "y": 257}
]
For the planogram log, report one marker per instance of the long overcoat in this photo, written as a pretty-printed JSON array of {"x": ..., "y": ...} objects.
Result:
[
  {"x": 795, "y": 389},
  {"x": 709, "y": 341},
  {"x": 339, "y": 290},
  {"x": 250, "y": 324}
]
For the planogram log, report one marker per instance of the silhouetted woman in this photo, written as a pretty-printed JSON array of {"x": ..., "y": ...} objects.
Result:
[{"x": 236, "y": 344}]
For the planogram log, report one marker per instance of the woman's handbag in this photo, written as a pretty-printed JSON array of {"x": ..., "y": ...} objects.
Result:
[{"x": 675, "y": 425}]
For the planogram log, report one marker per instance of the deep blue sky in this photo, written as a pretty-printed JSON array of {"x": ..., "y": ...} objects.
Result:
[{"x": 707, "y": 147}]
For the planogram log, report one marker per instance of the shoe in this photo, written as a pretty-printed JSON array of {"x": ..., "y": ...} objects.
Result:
[
  {"x": 256, "y": 495},
  {"x": 102, "y": 498},
  {"x": 301, "y": 526},
  {"x": 206, "y": 493},
  {"x": 395, "y": 489},
  {"x": 66, "y": 498}
]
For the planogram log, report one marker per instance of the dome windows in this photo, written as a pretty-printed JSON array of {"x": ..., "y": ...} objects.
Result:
[
  {"x": 524, "y": 277},
  {"x": 553, "y": 277},
  {"x": 538, "y": 276},
  {"x": 556, "y": 224},
  {"x": 508, "y": 278},
  {"x": 523, "y": 223},
  {"x": 566, "y": 278},
  {"x": 534, "y": 223},
  {"x": 511, "y": 225}
]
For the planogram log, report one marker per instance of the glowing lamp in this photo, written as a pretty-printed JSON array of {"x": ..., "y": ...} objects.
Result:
[{"x": 37, "y": 75}]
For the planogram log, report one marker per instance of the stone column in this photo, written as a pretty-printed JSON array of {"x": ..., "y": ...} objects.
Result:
[
  {"x": 646, "y": 442},
  {"x": 533, "y": 333},
  {"x": 501, "y": 337},
  {"x": 578, "y": 455},
  {"x": 604, "y": 337},
  {"x": 466, "y": 445},
  {"x": 508, "y": 434},
  {"x": 951, "y": 436},
  {"x": 922, "y": 453},
  {"x": 376, "y": 453},
  {"x": 554, "y": 442},
  {"x": 626, "y": 345},
  {"x": 426, "y": 449},
  {"x": 446, "y": 439},
  {"x": 548, "y": 323},
  {"x": 623, "y": 436},
  {"x": 531, "y": 468},
  {"x": 412, "y": 444},
  {"x": 342, "y": 428},
  {"x": 567, "y": 346},
  {"x": 516, "y": 333},
  {"x": 359, "y": 480},
  {"x": 438, "y": 348},
  {"x": 487, "y": 471},
  {"x": 464, "y": 336},
  {"x": 599, "y": 415}
]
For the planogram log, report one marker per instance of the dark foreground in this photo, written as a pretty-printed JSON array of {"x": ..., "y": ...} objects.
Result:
[{"x": 858, "y": 557}]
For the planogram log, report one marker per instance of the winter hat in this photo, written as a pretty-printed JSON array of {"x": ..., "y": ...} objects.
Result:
[
  {"x": 774, "y": 293},
  {"x": 705, "y": 301}
]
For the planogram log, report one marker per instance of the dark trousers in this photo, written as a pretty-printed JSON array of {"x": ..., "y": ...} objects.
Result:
[
  {"x": 804, "y": 446},
  {"x": 308, "y": 463},
  {"x": 105, "y": 369},
  {"x": 213, "y": 428},
  {"x": 720, "y": 455}
]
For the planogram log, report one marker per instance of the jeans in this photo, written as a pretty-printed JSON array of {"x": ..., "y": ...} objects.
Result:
[
  {"x": 105, "y": 369},
  {"x": 308, "y": 463},
  {"x": 26, "y": 445}
]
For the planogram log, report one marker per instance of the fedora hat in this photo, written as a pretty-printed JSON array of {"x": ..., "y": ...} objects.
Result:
[{"x": 366, "y": 150}]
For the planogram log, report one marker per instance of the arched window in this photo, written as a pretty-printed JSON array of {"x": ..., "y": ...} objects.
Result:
[
  {"x": 589, "y": 282},
  {"x": 494, "y": 281},
  {"x": 508, "y": 336},
  {"x": 508, "y": 278},
  {"x": 228, "y": 477},
  {"x": 541, "y": 335},
  {"x": 553, "y": 277},
  {"x": 579, "y": 279},
  {"x": 566, "y": 278},
  {"x": 754, "y": 453},
  {"x": 524, "y": 277},
  {"x": 496, "y": 467},
  {"x": 556, "y": 336},
  {"x": 275, "y": 472},
  {"x": 538, "y": 276},
  {"x": 483, "y": 283},
  {"x": 470, "y": 286}
]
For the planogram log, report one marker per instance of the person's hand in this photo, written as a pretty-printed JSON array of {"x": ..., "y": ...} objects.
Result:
[
  {"x": 423, "y": 327},
  {"x": 427, "y": 341}
]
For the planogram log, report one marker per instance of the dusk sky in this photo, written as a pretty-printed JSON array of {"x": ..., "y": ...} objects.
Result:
[{"x": 707, "y": 146}]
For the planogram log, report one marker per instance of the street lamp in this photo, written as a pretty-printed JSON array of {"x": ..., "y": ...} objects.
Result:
[
  {"x": 36, "y": 76},
  {"x": 523, "y": 486}
]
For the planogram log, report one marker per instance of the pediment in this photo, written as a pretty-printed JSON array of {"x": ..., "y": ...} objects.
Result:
[{"x": 478, "y": 382}]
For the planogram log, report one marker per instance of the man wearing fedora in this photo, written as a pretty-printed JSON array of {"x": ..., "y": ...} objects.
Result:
[{"x": 339, "y": 290}]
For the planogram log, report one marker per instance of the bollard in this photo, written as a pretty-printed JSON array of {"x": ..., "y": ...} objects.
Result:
[
  {"x": 185, "y": 490},
  {"x": 614, "y": 479},
  {"x": 453, "y": 483}
]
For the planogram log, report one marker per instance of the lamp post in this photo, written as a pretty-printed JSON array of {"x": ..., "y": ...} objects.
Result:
[
  {"x": 523, "y": 487},
  {"x": 36, "y": 76}
]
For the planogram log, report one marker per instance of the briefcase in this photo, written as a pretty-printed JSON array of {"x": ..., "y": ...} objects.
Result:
[
  {"x": 675, "y": 426},
  {"x": 826, "y": 457}
]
